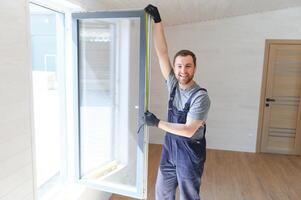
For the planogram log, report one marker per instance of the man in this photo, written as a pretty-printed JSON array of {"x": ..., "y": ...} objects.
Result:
[{"x": 184, "y": 150}]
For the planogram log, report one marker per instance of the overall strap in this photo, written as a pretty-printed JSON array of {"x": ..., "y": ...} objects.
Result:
[
  {"x": 171, "y": 97},
  {"x": 187, "y": 104},
  {"x": 204, "y": 89}
]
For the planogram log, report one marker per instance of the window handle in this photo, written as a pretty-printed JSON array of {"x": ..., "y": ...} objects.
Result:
[{"x": 270, "y": 100}]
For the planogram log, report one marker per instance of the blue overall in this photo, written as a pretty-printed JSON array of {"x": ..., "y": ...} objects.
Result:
[{"x": 182, "y": 159}]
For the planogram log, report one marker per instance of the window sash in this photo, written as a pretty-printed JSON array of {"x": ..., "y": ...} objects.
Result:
[{"x": 142, "y": 151}]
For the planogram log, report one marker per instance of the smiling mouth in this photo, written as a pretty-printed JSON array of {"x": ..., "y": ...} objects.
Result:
[{"x": 183, "y": 76}]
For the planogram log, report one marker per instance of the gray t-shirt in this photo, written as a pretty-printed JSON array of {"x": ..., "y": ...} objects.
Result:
[{"x": 199, "y": 105}]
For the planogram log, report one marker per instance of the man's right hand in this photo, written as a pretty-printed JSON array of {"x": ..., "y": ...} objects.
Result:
[
  {"x": 153, "y": 11},
  {"x": 151, "y": 119}
]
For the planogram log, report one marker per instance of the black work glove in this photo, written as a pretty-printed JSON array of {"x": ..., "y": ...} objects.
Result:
[
  {"x": 151, "y": 119},
  {"x": 153, "y": 11}
]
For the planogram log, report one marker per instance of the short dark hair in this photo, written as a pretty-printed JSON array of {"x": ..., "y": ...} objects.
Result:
[{"x": 184, "y": 53}]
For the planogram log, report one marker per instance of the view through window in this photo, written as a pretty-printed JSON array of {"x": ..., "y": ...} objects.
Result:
[{"x": 47, "y": 37}]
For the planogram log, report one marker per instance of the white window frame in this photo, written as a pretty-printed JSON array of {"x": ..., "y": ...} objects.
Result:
[
  {"x": 142, "y": 148},
  {"x": 66, "y": 78},
  {"x": 71, "y": 92}
]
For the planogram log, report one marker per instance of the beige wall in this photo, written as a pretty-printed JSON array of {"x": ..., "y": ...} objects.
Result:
[
  {"x": 230, "y": 55},
  {"x": 16, "y": 132},
  {"x": 16, "y": 172}
]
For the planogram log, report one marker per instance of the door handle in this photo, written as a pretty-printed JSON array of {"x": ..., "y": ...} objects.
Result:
[{"x": 270, "y": 100}]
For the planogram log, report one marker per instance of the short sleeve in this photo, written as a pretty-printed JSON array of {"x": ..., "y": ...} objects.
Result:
[
  {"x": 171, "y": 81},
  {"x": 199, "y": 107}
]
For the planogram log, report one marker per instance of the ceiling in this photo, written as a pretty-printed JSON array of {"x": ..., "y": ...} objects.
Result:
[{"x": 174, "y": 12}]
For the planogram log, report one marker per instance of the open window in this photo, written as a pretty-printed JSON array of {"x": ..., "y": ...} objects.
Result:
[
  {"x": 49, "y": 96},
  {"x": 111, "y": 68}
]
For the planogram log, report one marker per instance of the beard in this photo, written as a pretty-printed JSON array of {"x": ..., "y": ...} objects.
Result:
[{"x": 184, "y": 80}]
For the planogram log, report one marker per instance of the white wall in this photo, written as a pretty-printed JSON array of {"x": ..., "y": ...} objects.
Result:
[
  {"x": 230, "y": 54},
  {"x": 16, "y": 130},
  {"x": 16, "y": 172}
]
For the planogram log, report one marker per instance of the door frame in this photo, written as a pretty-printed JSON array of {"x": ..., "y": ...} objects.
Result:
[{"x": 268, "y": 43}]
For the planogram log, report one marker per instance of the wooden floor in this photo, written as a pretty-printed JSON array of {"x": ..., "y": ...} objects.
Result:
[{"x": 232, "y": 175}]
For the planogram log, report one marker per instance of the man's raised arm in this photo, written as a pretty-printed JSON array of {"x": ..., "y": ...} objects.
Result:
[{"x": 160, "y": 41}]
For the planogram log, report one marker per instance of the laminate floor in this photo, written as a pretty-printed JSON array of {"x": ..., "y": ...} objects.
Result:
[{"x": 230, "y": 175}]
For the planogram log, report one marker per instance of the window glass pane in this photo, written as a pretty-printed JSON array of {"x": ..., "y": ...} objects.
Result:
[
  {"x": 109, "y": 98},
  {"x": 47, "y": 31}
]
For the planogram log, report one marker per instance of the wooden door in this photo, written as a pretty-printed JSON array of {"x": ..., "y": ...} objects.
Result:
[{"x": 281, "y": 120}]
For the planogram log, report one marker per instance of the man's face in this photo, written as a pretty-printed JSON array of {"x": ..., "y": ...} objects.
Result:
[{"x": 184, "y": 69}]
